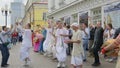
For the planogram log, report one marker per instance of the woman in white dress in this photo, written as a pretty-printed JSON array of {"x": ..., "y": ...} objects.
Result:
[
  {"x": 60, "y": 45},
  {"x": 26, "y": 44}
]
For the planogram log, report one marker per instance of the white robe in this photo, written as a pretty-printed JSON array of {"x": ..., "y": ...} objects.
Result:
[
  {"x": 26, "y": 44},
  {"x": 47, "y": 40},
  {"x": 50, "y": 45},
  {"x": 60, "y": 45}
]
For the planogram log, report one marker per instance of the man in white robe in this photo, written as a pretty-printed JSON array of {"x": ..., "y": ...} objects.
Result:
[
  {"x": 60, "y": 45},
  {"x": 76, "y": 59}
]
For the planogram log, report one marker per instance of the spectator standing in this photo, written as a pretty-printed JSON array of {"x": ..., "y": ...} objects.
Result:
[
  {"x": 91, "y": 40},
  {"x": 98, "y": 41},
  {"x": 14, "y": 37},
  {"x": 85, "y": 38},
  {"x": 69, "y": 49},
  {"x": 110, "y": 32}
]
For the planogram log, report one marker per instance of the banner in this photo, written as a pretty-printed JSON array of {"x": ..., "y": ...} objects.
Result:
[{"x": 112, "y": 14}]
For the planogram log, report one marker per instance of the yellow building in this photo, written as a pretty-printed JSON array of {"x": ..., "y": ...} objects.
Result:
[
  {"x": 36, "y": 14},
  {"x": 39, "y": 15}
]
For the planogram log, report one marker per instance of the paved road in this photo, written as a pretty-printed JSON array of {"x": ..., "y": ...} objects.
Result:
[{"x": 39, "y": 61}]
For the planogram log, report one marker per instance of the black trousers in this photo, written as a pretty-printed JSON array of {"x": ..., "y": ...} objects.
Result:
[
  {"x": 96, "y": 56},
  {"x": 69, "y": 49},
  {"x": 5, "y": 54}
]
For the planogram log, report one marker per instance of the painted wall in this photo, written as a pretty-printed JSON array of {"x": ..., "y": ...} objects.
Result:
[{"x": 38, "y": 17}]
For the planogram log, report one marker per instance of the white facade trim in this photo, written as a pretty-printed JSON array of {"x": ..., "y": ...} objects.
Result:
[{"x": 79, "y": 6}]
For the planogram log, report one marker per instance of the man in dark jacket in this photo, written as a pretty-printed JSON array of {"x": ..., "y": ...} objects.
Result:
[
  {"x": 91, "y": 40},
  {"x": 98, "y": 41}
]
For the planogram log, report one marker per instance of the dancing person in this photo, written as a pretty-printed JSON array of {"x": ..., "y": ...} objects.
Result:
[
  {"x": 48, "y": 39},
  {"x": 3, "y": 46},
  {"x": 76, "y": 59},
  {"x": 60, "y": 45},
  {"x": 26, "y": 45},
  {"x": 111, "y": 46}
]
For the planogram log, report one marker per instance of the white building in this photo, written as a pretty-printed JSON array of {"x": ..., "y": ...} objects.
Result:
[
  {"x": 18, "y": 1},
  {"x": 18, "y": 11},
  {"x": 86, "y": 11}
]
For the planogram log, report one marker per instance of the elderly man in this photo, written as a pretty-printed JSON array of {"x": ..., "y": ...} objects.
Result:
[
  {"x": 111, "y": 46},
  {"x": 76, "y": 59}
]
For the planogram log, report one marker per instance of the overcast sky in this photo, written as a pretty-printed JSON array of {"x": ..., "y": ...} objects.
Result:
[{"x": 2, "y": 17}]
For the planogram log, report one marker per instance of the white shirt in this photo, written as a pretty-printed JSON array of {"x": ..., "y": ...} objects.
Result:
[
  {"x": 27, "y": 38},
  {"x": 112, "y": 31},
  {"x": 84, "y": 36}
]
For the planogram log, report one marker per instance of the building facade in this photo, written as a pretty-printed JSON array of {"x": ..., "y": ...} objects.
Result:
[
  {"x": 86, "y": 11},
  {"x": 18, "y": 12},
  {"x": 18, "y": 1},
  {"x": 35, "y": 13}
]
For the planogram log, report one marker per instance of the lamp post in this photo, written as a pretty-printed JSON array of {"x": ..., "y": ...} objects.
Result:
[{"x": 5, "y": 11}]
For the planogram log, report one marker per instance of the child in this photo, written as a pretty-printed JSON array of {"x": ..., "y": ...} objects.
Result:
[
  {"x": 26, "y": 45},
  {"x": 76, "y": 59}
]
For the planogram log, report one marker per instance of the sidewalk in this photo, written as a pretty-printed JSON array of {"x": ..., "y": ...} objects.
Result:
[{"x": 39, "y": 61}]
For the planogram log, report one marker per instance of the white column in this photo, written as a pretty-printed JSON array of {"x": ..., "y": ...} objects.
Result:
[
  {"x": 57, "y": 6},
  {"x": 102, "y": 15},
  {"x": 51, "y": 5}
]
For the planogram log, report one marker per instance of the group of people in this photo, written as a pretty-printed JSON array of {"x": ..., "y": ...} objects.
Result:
[
  {"x": 59, "y": 40},
  {"x": 9, "y": 34}
]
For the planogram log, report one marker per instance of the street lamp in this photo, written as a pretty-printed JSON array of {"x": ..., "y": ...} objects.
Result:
[{"x": 5, "y": 11}]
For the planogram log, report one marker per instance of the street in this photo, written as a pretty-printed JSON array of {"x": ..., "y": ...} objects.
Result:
[{"x": 39, "y": 61}]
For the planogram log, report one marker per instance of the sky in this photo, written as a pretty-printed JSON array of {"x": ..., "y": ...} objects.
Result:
[{"x": 2, "y": 17}]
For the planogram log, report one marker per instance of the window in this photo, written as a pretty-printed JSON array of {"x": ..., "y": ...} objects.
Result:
[{"x": 44, "y": 16}]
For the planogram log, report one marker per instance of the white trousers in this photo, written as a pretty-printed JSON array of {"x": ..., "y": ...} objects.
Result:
[{"x": 24, "y": 52}]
